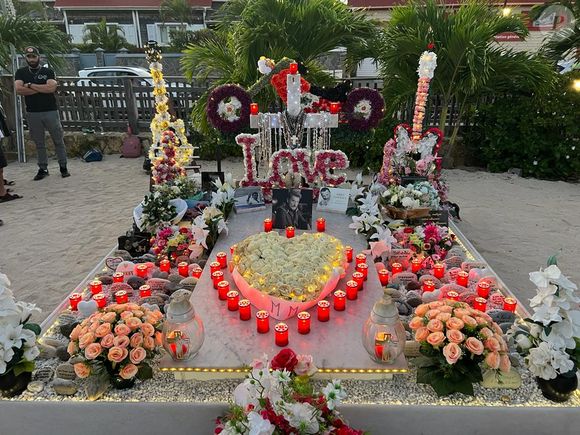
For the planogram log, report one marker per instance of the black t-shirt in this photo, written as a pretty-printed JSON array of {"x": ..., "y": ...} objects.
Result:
[{"x": 38, "y": 102}]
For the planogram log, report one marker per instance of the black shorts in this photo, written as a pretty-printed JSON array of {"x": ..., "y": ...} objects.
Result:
[{"x": 3, "y": 162}]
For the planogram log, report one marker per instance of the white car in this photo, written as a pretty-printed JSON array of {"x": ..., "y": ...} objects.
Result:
[{"x": 109, "y": 75}]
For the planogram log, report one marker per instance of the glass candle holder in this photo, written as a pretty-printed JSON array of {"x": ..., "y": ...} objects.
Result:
[
  {"x": 145, "y": 291},
  {"x": 483, "y": 289},
  {"x": 428, "y": 285},
  {"x": 183, "y": 269},
  {"x": 348, "y": 251},
  {"x": 359, "y": 278},
  {"x": 360, "y": 258},
  {"x": 233, "y": 298},
  {"x": 462, "y": 278},
  {"x": 364, "y": 269},
  {"x": 254, "y": 109},
  {"x": 245, "y": 308},
  {"x": 321, "y": 225},
  {"x": 268, "y": 225},
  {"x": 121, "y": 297},
  {"x": 183, "y": 331},
  {"x": 416, "y": 265},
  {"x": 323, "y": 310},
  {"x": 118, "y": 277},
  {"x": 281, "y": 334},
  {"x": 396, "y": 268},
  {"x": 165, "y": 265},
  {"x": 384, "y": 276},
  {"x": 510, "y": 304},
  {"x": 290, "y": 232},
  {"x": 453, "y": 295},
  {"x": 217, "y": 277},
  {"x": 233, "y": 249},
  {"x": 196, "y": 272},
  {"x": 340, "y": 300},
  {"x": 334, "y": 108},
  {"x": 439, "y": 270},
  {"x": 480, "y": 304},
  {"x": 141, "y": 270},
  {"x": 100, "y": 299},
  {"x": 74, "y": 300},
  {"x": 262, "y": 321},
  {"x": 351, "y": 290},
  {"x": 293, "y": 68},
  {"x": 96, "y": 286},
  {"x": 303, "y": 322},
  {"x": 214, "y": 266},
  {"x": 223, "y": 288},
  {"x": 222, "y": 259}
]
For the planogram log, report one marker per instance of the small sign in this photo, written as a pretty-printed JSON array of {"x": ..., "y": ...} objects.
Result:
[
  {"x": 496, "y": 379},
  {"x": 468, "y": 265},
  {"x": 400, "y": 255},
  {"x": 405, "y": 181},
  {"x": 438, "y": 217},
  {"x": 333, "y": 199},
  {"x": 404, "y": 278}
]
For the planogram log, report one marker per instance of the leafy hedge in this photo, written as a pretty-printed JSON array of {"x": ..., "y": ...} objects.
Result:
[{"x": 540, "y": 135}]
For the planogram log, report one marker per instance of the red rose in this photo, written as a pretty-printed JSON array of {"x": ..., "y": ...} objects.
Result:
[
  {"x": 286, "y": 359},
  {"x": 408, "y": 230},
  {"x": 183, "y": 230}
]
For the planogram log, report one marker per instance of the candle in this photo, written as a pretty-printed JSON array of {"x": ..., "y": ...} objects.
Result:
[
  {"x": 359, "y": 278},
  {"x": 428, "y": 285},
  {"x": 281, "y": 335},
  {"x": 381, "y": 339},
  {"x": 439, "y": 270},
  {"x": 254, "y": 109},
  {"x": 268, "y": 225},
  {"x": 480, "y": 304},
  {"x": 141, "y": 270},
  {"x": 245, "y": 309},
  {"x": 290, "y": 231},
  {"x": 453, "y": 295},
  {"x": 222, "y": 259},
  {"x": 223, "y": 287},
  {"x": 121, "y": 297},
  {"x": 416, "y": 264},
  {"x": 183, "y": 269},
  {"x": 145, "y": 291},
  {"x": 118, "y": 277},
  {"x": 509, "y": 304},
  {"x": 233, "y": 249},
  {"x": 351, "y": 290},
  {"x": 340, "y": 300},
  {"x": 364, "y": 269},
  {"x": 303, "y": 322},
  {"x": 462, "y": 278},
  {"x": 334, "y": 108},
  {"x": 263, "y": 321},
  {"x": 100, "y": 299},
  {"x": 384, "y": 276},
  {"x": 96, "y": 286},
  {"x": 293, "y": 68},
  {"x": 483, "y": 289},
  {"x": 165, "y": 266},
  {"x": 217, "y": 277},
  {"x": 233, "y": 299},
  {"x": 196, "y": 272},
  {"x": 323, "y": 310},
  {"x": 214, "y": 266},
  {"x": 74, "y": 300},
  {"x": 348, "y": 252},
  {"x": 396, "y": 268},
  {"x": 321, "y": 225},
  {"x": 360, "y": 258}
]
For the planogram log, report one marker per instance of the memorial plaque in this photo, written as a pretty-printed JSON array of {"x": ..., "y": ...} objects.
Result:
[
  {"x": 495, "y": 379},
  {"x": 66, "y": 371},
  {"x": 438, "y": 217},
  {"x": 468, "y": 265},
  {"x": 43, "y": 374},
  {"x": 404, "y": 278}
]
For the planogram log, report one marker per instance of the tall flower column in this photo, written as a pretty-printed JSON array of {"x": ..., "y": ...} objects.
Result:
[{"x": 427, "y": 65}]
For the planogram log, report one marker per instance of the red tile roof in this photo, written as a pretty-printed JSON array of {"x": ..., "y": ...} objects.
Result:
[
  {"x": 386, "y": 4},
  {"x": 120, "y": 4}
]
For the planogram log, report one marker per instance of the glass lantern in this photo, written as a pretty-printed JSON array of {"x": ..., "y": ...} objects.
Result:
[
  {"x": 383, "y": 333},
  {"x": 183, "y": 332}
]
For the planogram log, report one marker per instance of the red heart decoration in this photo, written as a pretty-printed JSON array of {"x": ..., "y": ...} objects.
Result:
[{"x": 280, "y": 84}]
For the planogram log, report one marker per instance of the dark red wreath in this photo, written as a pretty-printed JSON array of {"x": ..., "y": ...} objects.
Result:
[{"x": 221, "y": 93}]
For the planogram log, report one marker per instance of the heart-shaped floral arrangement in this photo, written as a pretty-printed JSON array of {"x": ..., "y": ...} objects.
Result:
[{"x": 296, "y": 269}]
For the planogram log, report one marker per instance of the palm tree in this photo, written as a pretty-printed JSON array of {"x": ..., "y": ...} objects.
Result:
[
  {"x": 565, "y": 41},
  {"x": 110, "y": 37},
  {"x": 248, "y": 29},
  {"x": 175, "y": 10},
  {"x": 469, "y": 62}
]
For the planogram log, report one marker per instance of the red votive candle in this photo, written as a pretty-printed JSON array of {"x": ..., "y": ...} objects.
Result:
[
  {"x": 222, "y": 259},
  {"x": 303, "y": 322},
  {"x": 416, "y": 264},
  {"x": 480, "y": 304},
  {"x": 281, "y": 335},
  {"x": 323, "y": 310},
  {"x": 96, "y": 286},
  {"x": 339, "y": 300},
  {"x": 254, "y": 109},
  {"x": 384, "y": 276},
  {"x": 396, "y": 268},
  {"x": 290, "y": 231},
  {"x": 364, "y": 269},
  {"x": 217, "y": 277},
  {"x": 334, "y": 108},
  {"x": 268, "y": 225},
  {"x": 509, "y": 304},
  {"x": 183, "y": 269},
  {"x": 483, "y": 289},
  {"x": 233, "y": 249},
  {"x": 263, "y": 321},
  {"x": 351, "y": 290},
  {"x": 100, "y": 299},
  {"x": 223, "y": 288},
  {"x": 121, "y": 297},
  {"x": 233, "y": 299},
  {"x": 321, "y": 225},
  {"x": 462, "y": 278},
  {"x": 196, "y": 272},
  {"x": 348, "y": 252},
  {"x": 439, "y": 270},
  {"x": 359, "y": 278},
  {"x": 360, "y": 258},
  {"x": 74, "y": 300},
  {"x": 428, "y": 285},
  {"x": 453, "y": 295},
  {"x": 145, "y": 291},
  {"x": 214, "y": 266},
  {"x": 293, "y": 68},
  {"x": 165, "y": 266},
  {"x": 141, "y": 270},
  {"x": 245, "y": 308},
  {"x": 118, "y": 277}
]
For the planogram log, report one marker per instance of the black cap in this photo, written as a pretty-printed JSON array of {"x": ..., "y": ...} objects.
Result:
[{"x": 31, "y": 50}]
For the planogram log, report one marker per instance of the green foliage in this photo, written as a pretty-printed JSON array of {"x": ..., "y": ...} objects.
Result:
[
  {"x": 181, "y": 38},
  {"x": 540, "y": 135},
  {"x": 109, "y": 37},
  {"x": 175, "y": 10},
  {"x": 24, "y": 366}
]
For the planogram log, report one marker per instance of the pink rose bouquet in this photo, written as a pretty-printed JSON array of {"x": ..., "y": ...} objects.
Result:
[
  {"x": 119, "y": 341},
  {"x": 455, "y": 345}
]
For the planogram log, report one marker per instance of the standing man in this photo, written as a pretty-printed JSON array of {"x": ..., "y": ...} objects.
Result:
[{"x": 38, "y": 85}]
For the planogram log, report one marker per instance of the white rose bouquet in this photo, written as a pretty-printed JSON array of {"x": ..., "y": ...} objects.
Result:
[{"x": 413, "y": 196}]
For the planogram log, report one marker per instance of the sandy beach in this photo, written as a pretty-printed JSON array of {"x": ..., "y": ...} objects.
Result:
[{"x": 62, "y": 228}]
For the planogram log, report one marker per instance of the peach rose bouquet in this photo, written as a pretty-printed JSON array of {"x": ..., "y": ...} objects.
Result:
[
  {"x": 119, "y": 341},
  {"x": 456, "y": 342}
]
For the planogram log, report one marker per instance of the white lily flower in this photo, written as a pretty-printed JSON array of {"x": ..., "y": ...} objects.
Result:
[
  {"x": 259, "y": 425},
  {"x": 368, "y": 204},
  {"x": 546, "y": 314},
  {"x": 355, "y": 191},
  {"x": 302, "y": 416},
  {"x": 539, "y": 362},
  {"x": 542, "y": 278}
]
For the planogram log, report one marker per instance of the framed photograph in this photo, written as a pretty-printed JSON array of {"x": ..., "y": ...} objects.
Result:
[
  {"x": 292, "y": 207},
  {"x": 248, "y": 199},
  {"x": 333, "y": 199}
]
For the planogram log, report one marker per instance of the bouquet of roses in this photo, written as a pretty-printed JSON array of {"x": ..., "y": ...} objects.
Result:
[
  {"x": 429, "y": 239},
  {"x": 455, "y": 339},
  {"x": 278, "y": 398},
  {"x": 172, "y": 242},
  {"x": 120, "y": 341},
  {"x": 413, "y": 196}
]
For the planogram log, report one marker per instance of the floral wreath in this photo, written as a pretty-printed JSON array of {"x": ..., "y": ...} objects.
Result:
[
  {"x": 364, "y": 108},
  {"x": 228, "y": 108}
]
